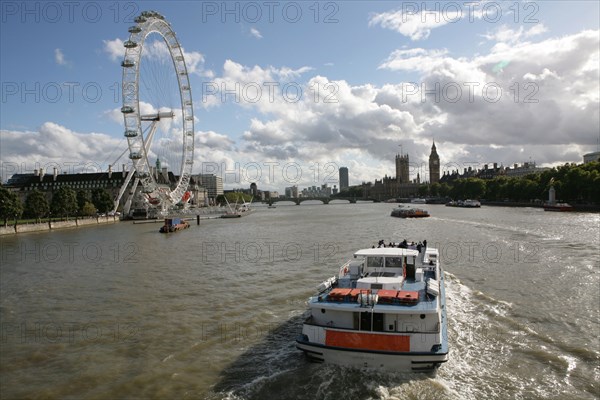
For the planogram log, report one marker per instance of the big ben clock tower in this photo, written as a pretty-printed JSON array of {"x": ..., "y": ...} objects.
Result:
[{"x": 434, "y": 165}]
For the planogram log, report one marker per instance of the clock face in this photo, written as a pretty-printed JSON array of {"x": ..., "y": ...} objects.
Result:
[{"x": 435, "y": 162}]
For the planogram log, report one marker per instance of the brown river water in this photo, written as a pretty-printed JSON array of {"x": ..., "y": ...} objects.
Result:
[{"x": 122, "y": 311}]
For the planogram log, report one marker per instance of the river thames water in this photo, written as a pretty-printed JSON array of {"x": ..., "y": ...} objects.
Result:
[{"x": 122, "y": 311}]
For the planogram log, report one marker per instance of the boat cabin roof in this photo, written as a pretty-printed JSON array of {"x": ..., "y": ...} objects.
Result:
[{"x": 386, "y": 252}]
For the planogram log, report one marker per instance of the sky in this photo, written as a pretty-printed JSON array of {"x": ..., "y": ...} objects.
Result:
[{"x": 285, "y": 93}]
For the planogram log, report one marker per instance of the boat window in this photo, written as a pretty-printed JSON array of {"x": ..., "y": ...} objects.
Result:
[
  {"x": 393, "y": 262},
  {"x": 378, "y": 322},
  {"x": 365, "y": 321},
  {"x": 374, "y": 262}
]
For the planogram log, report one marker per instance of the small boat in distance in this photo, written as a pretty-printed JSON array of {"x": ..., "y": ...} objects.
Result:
[
  {"x": 404, "y": 212},
  {"x": 552, "y": 204},
  {"x": 558, "y": 207},
  {"x": 385, "y": 309},
  {"x": 173, "y": 225},
  {"x": 237, "y": 211},
  {"x": 464, "y": 203},
  {"x": 418, "y": 201}
]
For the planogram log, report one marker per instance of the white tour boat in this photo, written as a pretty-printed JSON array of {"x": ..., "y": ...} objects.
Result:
[{"x": 386, "y": 309}]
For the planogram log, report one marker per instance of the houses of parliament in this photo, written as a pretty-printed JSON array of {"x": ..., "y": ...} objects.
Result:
[{"x": 401, "y": 185}]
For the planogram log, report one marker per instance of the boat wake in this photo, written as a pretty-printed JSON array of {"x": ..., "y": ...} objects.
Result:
[{"x": 493, "y": 351}]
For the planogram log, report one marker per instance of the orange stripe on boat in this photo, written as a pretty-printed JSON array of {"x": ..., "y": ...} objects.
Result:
[{"x": 367, "y": 341}]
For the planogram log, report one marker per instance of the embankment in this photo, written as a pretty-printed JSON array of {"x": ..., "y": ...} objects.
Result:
[{"x": 47, "y": 226}]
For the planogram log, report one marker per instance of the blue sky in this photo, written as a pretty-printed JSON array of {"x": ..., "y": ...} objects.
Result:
[{"x": 60, "y": 72}]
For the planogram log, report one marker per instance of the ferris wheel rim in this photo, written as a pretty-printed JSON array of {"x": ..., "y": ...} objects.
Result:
[{"x": 149, "y": 22}]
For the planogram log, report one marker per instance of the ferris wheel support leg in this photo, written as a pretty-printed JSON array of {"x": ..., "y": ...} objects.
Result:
[
  {"x": 123, "y": 188},
  {"x": 149, "y": 138},
  {"x": 129, "y": 200},
  {"x": 148, "y": 141}
]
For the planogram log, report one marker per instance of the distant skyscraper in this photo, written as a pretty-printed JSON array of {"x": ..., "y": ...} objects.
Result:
[
  {"x": 402, "y": 168},
  {"x": 434, "y": 165},
  {"x": 344, "y": 182}
]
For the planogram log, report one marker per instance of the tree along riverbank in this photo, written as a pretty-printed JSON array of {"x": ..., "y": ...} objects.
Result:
[{"x": 52, "y": 225}]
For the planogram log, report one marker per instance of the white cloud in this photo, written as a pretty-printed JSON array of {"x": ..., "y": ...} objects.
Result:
[
  {"x": 59, "y": 57},
  {"x": 256, "y": 33},
  {"x": 213, "y": 141},
  {"x": 46, "y": 146},
  {"x": 256, "y": 86},
  {"x": 547, "y": 108},
  {"x": 114, "y": 49},
  {"x": 415, "y": 24},
  {"x": 548, "y": 93},
  {"x": 505, "y": 34},
  {"x": 157, "y": 50}
]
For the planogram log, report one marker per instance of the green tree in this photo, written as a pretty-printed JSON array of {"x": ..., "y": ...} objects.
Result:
[
  {"x": 102, "y": 200},
  {"x": 36, "y": 205},
  {"x": 88, "y": 209},
  {"x": 470, "y": 188},
  {"x": 444, "y": 190},
  {"x": 83, "y": 197},
  {"x": 494, "y": 188},
  {"x": 10, "y": 205},
  {"x": 64, "y": 202}
]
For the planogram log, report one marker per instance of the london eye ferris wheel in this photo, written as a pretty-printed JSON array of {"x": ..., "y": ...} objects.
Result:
[{"x": 158, "y": 111}]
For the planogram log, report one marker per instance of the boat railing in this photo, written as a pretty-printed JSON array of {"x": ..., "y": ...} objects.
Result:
[
  {"x": 407, "y": 328},
  {"x": 345, "y": 269}
]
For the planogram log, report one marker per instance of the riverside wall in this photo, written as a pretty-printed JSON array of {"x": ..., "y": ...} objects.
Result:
[{"x": 47, "y": 226}]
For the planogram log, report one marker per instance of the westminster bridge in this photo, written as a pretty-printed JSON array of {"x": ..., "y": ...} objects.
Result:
[{"x": 324, "y": 200}]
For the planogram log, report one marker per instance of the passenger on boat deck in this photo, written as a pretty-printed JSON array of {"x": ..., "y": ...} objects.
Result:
[
  {"x": 424, "y": 243},
  {"x": 381, "y": 243},
  {"x": 419, "y": 246}
]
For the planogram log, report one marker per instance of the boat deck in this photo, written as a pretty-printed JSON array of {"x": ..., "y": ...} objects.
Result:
[{"x": 426, "y": 303}]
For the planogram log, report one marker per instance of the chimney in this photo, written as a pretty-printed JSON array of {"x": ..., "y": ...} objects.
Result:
[
  {"x": 109, "y": 171},
  {"x": 55, "y": 174},
  {"x": 516, "y": 165},
  {"x": 41, "y": 174},
  {"x": 495, "y": 165},
  {"x": 36, "y": 172}
]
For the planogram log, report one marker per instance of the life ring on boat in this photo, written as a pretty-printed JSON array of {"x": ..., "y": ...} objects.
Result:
[{"x": 345, "y": 270}]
